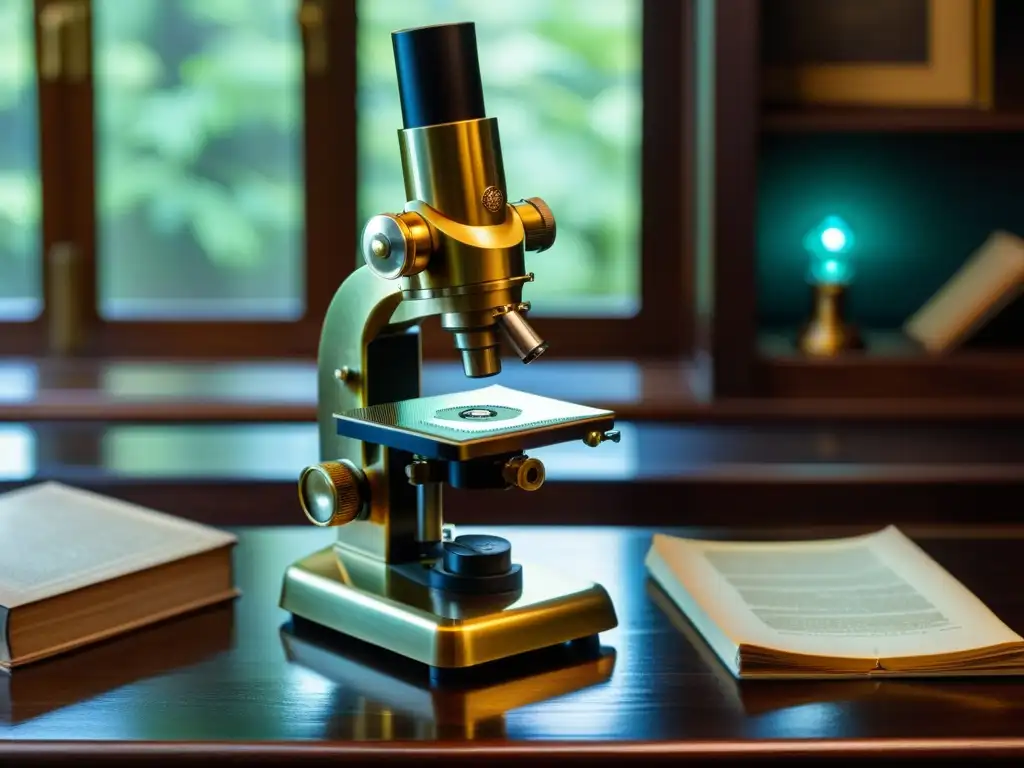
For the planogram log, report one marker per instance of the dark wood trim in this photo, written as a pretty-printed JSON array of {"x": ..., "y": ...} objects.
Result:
[
  {"x": 841, "y": 390},
  {"x": 998, "y": 378},
  {"x": 890, "y": 120},
  {"x": 696, "y": 752},
  {"x": 805, "y": 405},
  {"x": 727, "y": 132},
  {"x": 81, "y": 182},
  {"x": 890, "y": 367},
  {"x": 724, "y": 502},
  {"x": 661, "y": 474}
]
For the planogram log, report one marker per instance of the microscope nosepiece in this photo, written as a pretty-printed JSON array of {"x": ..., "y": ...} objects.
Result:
[{"x": 521, "y": 336}]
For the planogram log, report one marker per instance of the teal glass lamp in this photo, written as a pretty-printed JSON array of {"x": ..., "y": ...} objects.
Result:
[{"x": 830, "y": 270}]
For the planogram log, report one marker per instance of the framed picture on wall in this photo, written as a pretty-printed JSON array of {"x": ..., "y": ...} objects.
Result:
[{"x": 909, "y": 53}]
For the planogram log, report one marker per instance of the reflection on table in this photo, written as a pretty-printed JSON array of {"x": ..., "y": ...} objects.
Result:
[{"x": 382, "y": 696}]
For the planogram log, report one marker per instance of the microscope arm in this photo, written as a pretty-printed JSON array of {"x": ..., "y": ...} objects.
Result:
[{"x": 366, "y": 315}]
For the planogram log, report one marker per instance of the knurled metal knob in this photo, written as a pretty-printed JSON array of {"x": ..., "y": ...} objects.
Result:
[
  {"x": 540, "y": 227},
  {"x": 524, "y": 472},
  {"x": 396, "y": 244},
  {"x": 332, "y": 493}
]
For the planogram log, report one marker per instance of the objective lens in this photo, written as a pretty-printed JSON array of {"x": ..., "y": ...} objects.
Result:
[
  {"x": 477, "y": 342},
  {"x": 524, "y": 340},
  {"x": 481, "y": 363}
]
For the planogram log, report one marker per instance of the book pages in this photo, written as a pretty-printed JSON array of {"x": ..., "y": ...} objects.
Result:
[{"x": 869, "y": 597}]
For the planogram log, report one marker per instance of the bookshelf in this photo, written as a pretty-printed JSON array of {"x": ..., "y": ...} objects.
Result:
[{"x": 748, "y": 356}]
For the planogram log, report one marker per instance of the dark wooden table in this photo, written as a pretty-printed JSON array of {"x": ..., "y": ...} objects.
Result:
[{"x": 221, "y": 683}]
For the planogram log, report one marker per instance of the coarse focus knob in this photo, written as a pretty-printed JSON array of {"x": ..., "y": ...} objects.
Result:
[
  {"x": 396, "y": 245},
  {"x": 332, "y": 493},
  {"x": 539, "y": 223}
]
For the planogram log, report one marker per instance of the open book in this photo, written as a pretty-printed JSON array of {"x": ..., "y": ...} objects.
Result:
[{"x": 861, "y": 606}]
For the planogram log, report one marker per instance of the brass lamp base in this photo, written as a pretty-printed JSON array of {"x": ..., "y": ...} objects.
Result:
[
  {"x": 374, "y": 602},
  {"x": 827, "y": 334}
]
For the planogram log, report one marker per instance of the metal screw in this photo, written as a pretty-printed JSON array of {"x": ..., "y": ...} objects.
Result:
[
  {"x": 344, "y": 374},
  {"x": 380, "y": 247},
  {"x": 595, "y": 438}
]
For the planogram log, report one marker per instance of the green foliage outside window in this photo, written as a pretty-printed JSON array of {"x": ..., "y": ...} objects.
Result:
[{"x": 199, "y": 147}]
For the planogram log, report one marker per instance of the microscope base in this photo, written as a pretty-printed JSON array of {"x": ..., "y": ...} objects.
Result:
[{"x": 373, "y": 602}]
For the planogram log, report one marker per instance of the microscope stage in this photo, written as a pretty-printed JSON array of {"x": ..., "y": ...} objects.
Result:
[{"x": 474, "y": 424}]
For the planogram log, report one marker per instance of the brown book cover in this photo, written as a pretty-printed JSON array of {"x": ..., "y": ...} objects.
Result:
[{"x": 79, "y": 567}]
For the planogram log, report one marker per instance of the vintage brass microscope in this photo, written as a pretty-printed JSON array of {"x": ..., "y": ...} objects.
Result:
[{"x": 394, "y": 578}]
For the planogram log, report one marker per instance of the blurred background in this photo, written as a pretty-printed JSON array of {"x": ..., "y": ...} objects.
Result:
[
  {"x": 182, "y": 183},
  {"x": 199, "y": 161}
]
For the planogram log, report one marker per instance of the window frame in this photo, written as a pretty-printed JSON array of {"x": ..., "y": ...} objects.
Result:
[{"x": 662, "y": 327}]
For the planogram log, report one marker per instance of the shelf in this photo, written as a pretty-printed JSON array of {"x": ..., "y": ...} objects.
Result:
[
  {"x": 889, "y": 120},
  {"x": 244, "y": 474},
  {"x": 890, "y": 366}
]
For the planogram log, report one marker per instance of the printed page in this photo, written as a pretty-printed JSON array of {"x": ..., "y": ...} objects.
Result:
[
  {"x": 54, "y": 538},
  {"x": 874, "y": 596}
]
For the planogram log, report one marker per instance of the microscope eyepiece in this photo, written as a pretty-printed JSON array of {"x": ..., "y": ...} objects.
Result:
[{"x": 438, "y": 74}]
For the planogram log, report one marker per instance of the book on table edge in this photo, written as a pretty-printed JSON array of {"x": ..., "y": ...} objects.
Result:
[{"x": 77, "y": 567}]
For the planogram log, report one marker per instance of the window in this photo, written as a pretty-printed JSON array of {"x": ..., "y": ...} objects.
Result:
[
  {"x": 20, "y": 202},
  {"x": 199, "y": 171},
  {"x": 198, "y": 152}
]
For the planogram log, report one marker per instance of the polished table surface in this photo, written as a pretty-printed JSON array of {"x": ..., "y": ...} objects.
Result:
[{"x": 242, "y": 681}]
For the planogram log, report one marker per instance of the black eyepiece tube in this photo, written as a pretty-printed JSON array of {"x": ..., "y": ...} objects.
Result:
[{"x": 438, "y": 74}]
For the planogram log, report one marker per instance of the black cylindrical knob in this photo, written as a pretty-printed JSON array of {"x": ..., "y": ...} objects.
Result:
[
  {"x": 477, "y": 555},
  {"x": 438, "y": 74}
]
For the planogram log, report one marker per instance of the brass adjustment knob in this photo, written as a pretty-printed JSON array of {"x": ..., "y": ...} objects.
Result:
[
  {"x": 332, "y": 493},
  {"x": 539, "y": 223},
  {"x": 397, "y": 245},
  {"x": 524, "y": 472}
]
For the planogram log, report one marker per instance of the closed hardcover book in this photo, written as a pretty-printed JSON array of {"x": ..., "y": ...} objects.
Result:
[{"x": 77, "y": 567}]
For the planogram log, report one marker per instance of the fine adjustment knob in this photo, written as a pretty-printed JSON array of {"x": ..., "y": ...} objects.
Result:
[
  {"x": 539, "y": 223},
  {"x": 332, "y": 493}
]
